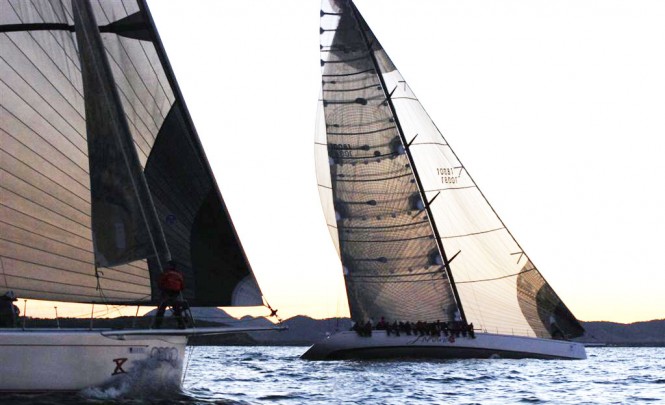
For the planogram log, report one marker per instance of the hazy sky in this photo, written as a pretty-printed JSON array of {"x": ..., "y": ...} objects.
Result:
[{"x": 556, "y": 108}]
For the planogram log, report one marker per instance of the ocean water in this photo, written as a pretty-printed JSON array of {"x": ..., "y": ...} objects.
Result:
[{"x": 276, "y": 375}]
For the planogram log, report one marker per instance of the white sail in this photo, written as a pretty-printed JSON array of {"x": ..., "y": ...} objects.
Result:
[{"x": 497, "y": 287}]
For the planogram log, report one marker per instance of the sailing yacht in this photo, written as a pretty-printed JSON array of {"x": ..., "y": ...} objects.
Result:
[
  {"x": 417, "y": 239},
  {"x": 104, "y": 181}
]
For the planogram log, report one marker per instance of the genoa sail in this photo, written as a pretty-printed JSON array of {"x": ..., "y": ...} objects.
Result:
[
  {"x": 370, "y": 121},
  {"x": 103, "y": 175}
]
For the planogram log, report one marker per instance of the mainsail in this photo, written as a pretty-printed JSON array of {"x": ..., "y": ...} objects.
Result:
[
  {"x": 416, "y": 237},
  {"x": 103, "y": 175}
]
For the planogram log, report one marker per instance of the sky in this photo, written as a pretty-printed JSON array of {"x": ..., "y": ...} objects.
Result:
[{"x": 556, "y": 108}]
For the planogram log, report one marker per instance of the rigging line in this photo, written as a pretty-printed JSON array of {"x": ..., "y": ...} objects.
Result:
[
  {"x": 65, "y": 174},
  {"x": 328, "y": 187},
  {"x": 41, "y": 190},
  {"x": 472, "y": 233},
  {"x": 55, "y": 64},
  {"x": 497, "y": 278}
]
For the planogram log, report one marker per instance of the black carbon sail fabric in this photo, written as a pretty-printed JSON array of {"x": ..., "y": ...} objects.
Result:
[
  {"x": 392, "y": 265},
  {"x": 48, "y": 156},
  {"x": 499, "y": 289}
]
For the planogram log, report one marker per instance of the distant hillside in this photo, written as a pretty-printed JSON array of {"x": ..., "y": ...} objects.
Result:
[
  {"x": 304, "y": 331},
  {"x": 649, "y": 333}
]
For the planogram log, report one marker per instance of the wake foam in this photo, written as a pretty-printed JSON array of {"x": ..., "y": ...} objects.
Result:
[{"x": 147, "y": 379}]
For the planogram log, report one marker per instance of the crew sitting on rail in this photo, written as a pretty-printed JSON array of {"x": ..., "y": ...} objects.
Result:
[{"x": 9, "y": 313}]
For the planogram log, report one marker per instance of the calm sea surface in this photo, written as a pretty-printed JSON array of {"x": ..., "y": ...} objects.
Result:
[{"x": 261, "y": 375}]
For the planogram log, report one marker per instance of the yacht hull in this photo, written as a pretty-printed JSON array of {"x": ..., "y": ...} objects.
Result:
[
  {"x": 349, "y": 345},
  {"x": 71, "y": 360}
]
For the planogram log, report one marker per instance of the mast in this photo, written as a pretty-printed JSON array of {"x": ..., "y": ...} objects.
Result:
[{"x": 437, "y": 237}]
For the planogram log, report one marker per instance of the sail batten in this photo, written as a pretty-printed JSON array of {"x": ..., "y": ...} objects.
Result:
[
  {"x": 495, "y": 282},
  {"x": 46, "y": 207}
]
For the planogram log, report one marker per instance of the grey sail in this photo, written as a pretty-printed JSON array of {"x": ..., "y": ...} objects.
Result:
[
  {"x": 103, "y": 175},
  {"x": 413, "y": 230},
  {"x": 393, "y": 266}
]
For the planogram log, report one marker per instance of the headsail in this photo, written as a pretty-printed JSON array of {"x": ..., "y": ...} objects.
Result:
[
  {"x": 371, "y": 186},
  {"x": 46, "y": 212}
]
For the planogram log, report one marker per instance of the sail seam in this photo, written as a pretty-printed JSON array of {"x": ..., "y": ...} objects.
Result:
[
  {"x": 496, "y": 278},
  {"x": 473, "y": 233}
]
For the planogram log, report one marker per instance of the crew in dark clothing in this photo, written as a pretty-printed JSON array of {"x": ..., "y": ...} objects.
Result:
[
  {"x": 9, "y": 313},
  {"x": 171, "y": 283}
]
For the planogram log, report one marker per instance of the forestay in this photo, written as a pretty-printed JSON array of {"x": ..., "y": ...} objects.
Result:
[
  {"x": 103, "y": 175},
  {"x": 373, "y": 192}
]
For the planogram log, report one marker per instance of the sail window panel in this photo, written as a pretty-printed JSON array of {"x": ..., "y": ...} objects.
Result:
[
  {"x": 328, "y": 206},
  {"x": 40, "y": 106},
  {"x": 415, "y": 121},
  {"x": 485, "y": 273},
  {"x": 27, "y": 238},
  {"x": 110, "y": 11},
  {"x": 422, "y": 299},
  {"x": 491, "y": 311},
  {"x": 11, "y": 217},
  {"x": 46, "y": 214},
  {"x": 20, "y": 121},
  {"x": 69, "y": 270},
  {"x": 28, "y": 12},
  {"x": 485, "y": 256},
  {"x": 138, "y": 268},
  {"x": 439, "y": 169},
  {"x": 355, "y": 166},
  {"x": 47, "y": 62},
  {"x": 135, "y": 278},
  {"x": 145, "y": 100},
  {"x": 14, "y": 184},
  {"x": 31, "y": 280},
  {"x": 322, "y": 163},
  {"x": 460, "y": 212},
  {"x": 40, "y": 175}
]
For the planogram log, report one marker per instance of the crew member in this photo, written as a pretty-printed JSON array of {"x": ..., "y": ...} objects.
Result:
[{"x": 171, "y": 283}]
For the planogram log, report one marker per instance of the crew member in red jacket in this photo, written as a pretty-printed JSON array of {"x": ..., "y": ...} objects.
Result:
[{"x": 171, "y": 283}]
